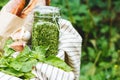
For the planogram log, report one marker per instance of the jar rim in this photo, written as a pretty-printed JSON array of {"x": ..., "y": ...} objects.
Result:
[{"x": 47, "y": 9}]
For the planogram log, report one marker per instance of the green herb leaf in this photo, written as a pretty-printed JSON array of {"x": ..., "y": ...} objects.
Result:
[
  {"x": 16, "y": 65},
  {"x": 40, "y": 52},
  {"x": 57, "y": 62},
  {"x": 12, "y": 72},
  {"x": 27, "y": 66},
  {"x": 3, "y": 62},
  {"x": 8, "y": 51},
  {"x": 29, "y": 75}
]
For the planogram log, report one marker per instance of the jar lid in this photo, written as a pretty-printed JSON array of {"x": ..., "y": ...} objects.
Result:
[{"x": 46, "y": 9}]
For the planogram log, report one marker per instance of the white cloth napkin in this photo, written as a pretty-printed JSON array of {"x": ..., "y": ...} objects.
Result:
[{"x": 69, "y": 50}]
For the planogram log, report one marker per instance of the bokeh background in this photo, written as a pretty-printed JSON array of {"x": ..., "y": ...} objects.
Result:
[{"x": 98, "y": 22}]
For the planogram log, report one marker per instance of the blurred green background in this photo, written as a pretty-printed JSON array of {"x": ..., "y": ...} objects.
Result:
[{"x": 98, "y": 22}]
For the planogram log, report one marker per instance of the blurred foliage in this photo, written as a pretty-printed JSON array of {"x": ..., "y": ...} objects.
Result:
[
  {"x": 98, "y": 22},
  {"x": 3, "y": 2}
]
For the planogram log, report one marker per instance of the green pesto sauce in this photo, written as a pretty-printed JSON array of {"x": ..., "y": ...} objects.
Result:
[{"x": 45, "y": 33}]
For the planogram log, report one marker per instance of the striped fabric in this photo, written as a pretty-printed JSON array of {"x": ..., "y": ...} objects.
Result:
[{"x": 69, "y": 50}]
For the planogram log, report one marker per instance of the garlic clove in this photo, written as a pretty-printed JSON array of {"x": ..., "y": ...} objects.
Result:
[
  {"x": 17, "y": 35},
  {"x": 26, "y": 36},
  {"x": 21, "y": 34}
]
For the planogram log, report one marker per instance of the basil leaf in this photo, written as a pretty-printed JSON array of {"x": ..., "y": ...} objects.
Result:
[
  {"x": 25, "y": 52},
  {"x": 8, "y": 51},
  {"x": 29, "y": 75},
  {"x": 27, "y": 66},
  {"x": 16, "y": 65},
  {"x": 12, "y": 72},
  {"x": 3, "y": 62},
  {"x": 57, "y": 62},
  {"x": 41, "y": 49}
]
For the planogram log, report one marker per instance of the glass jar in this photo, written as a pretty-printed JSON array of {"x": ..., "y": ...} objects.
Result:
[{"x": 46, "y": 29}]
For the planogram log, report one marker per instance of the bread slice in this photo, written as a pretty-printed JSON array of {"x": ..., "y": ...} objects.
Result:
[
  {"x": 28, "y": 8},
  {"x": 14, "y": 7}
]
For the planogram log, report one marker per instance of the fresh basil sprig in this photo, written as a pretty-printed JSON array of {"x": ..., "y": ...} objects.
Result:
[{"x": 25, "y": 62}]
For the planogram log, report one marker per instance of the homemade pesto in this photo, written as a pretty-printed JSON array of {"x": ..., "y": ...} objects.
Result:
[{"x": 46, "y": 31}]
